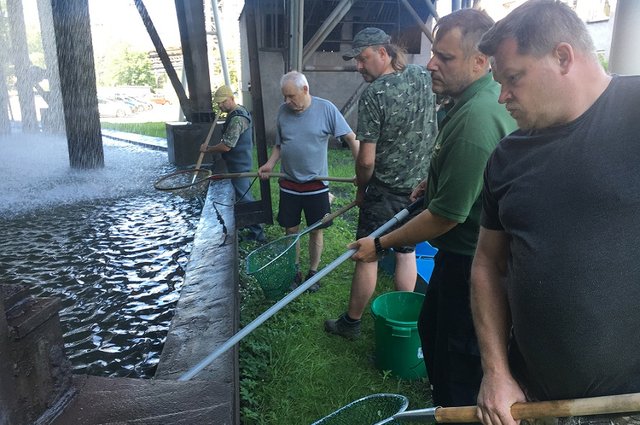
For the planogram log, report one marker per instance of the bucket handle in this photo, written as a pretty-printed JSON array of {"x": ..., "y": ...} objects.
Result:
[{"x": 401, "y": 332}]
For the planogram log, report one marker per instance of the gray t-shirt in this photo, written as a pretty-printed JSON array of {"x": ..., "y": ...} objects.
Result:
[{"x": 304, "y": 137}]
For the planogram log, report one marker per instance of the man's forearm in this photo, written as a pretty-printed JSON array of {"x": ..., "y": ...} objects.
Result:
[
  {"x": 489, "y": 303},
  {"x": 218, "y": 148},
  {"x": 424, "y": 226},
  {"x": 275, "y": 156},
  {"x": 365, "y": 163}
]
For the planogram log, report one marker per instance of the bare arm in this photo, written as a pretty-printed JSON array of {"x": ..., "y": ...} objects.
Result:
[
  {"x": 354, "y": 144},
  {"x": 365, "y": 163},
  {"x": 422, "y": 227},
  {"x": 267, "y": 167},
  {"x": 419, "y": 190},
  {"x": 492, "y": 320},
  {"x": 217, "y": 148}
]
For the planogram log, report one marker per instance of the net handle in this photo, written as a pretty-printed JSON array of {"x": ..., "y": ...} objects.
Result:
[
  {"x": 399, "y": 217},
  {"x": 207, "y": 140},
  {"x": 279, "y": 175}
]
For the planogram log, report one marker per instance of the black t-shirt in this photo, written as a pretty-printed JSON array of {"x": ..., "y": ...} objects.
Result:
[{"x": 569, "y": 200}]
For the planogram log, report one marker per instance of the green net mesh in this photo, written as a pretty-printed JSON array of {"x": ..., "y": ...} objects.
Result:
[
  {"x": 274, "y": 266},
  {"x": 370, "y": 410}
]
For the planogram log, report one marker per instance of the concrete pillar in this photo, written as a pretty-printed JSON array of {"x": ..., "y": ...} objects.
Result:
[
  {"x": 53, "y": 120},
  {"x": 5, "y": 123},
  {"x": 625, "y": 41},
  {"x": 35, "y": 375},
  {"x": 20, "y": 56},
  {"x": 78, "y": 82}
]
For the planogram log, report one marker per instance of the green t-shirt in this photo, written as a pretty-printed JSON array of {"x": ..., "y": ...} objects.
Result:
[
  {"x": 469, "y": 133},
  {"x": 397, "y": 113}
]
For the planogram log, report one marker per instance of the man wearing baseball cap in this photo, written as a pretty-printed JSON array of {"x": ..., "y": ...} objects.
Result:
[
  {"x": 396, "y": 128},
  {"x": 235, "y": 148}
]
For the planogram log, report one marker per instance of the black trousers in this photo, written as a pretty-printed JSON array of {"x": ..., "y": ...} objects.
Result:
[{"x": 445, "y": 326}]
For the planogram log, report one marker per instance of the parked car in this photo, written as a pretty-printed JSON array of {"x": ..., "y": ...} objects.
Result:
[
  {"x": 113, "y": 108},
  {"x": 133, "y": 105}
]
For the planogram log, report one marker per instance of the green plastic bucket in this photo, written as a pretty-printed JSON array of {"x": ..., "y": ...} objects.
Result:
[
  {"x": 274, "y": 266},
  {"x": 398, "y": 347}
]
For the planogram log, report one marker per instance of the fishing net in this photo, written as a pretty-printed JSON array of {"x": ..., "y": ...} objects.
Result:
[
  {"x": 370, "y": 410},
  {"x": 274, "y": 266},
  {"x": 185, "y": 183}
]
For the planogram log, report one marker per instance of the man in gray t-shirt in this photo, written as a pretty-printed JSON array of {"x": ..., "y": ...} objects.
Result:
[{"x": 304, "y": 125}]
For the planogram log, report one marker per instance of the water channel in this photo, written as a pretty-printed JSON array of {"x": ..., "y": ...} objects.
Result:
[{"x": 104, "y": 241}]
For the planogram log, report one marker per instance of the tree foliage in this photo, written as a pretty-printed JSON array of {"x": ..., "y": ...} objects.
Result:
[{"x": 132, "y": 69}]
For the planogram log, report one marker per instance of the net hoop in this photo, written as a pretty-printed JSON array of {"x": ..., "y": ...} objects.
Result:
[{"x": 182, "y": 179}]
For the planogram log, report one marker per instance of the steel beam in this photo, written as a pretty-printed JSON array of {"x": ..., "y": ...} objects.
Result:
[
  {"x": 418, "y": 19},
  {"x": 325, "y": 29},
  {"x": 193, "y": 38}
]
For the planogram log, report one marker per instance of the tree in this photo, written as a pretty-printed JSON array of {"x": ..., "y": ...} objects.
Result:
[{"x": 134, "y": 69}]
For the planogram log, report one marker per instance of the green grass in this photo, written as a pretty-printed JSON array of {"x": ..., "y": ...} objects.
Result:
[
  {"x": 154, "y": 129},
  {"x": 292, "y": 372}
]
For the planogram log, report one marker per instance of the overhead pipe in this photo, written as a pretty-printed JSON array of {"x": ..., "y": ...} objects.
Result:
[
  {"x": 296, "y": 24},
  {"x": 325, "y": 29},
  {"x": 219, "y": 32},
  {"x": 625, "y": 39}
]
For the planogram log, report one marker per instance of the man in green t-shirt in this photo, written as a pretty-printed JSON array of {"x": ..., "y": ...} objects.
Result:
[{"x": 469, "y": 132}]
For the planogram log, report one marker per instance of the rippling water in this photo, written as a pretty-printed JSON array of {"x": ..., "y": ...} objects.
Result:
[{"x": 117, "y": 263}]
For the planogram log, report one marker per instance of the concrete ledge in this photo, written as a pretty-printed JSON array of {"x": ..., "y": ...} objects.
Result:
[
  {"x": 111, "y": 401},
  {"x": 208, "y": 310},
  {"x": 157, "y": 143}
]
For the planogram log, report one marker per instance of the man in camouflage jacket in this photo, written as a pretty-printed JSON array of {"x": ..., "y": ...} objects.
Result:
[{"x": 396, "y": 128}]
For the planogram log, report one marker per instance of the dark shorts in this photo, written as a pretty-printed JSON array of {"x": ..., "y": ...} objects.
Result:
[
  {"x": 315, "y": 207},
  {"x": 380, "y": 204}
]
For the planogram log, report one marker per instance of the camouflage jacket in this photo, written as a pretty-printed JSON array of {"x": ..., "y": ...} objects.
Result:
[{"x": 397, "y": 112}]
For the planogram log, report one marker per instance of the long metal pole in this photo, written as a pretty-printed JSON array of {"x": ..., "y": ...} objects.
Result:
[
  {"x": 219, "y": 32},
  {"x": 294, "y": 294}
]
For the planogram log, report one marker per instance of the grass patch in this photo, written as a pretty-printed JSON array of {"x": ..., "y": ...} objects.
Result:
[{"x": 154, "y": 129}]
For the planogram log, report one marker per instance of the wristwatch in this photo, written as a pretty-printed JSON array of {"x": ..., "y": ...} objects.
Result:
[{"x": 378, "y": 245}]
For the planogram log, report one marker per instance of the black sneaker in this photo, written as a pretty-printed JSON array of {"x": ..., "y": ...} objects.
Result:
[
  {"x": 342, "y": 327},
  {"x": 313, "y": 288}
]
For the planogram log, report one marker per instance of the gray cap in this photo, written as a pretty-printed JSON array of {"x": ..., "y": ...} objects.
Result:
[{"x": 365, "y": 38}]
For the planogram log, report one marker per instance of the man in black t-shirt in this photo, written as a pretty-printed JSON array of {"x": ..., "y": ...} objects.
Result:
[{"x": 555, "y": 278}]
